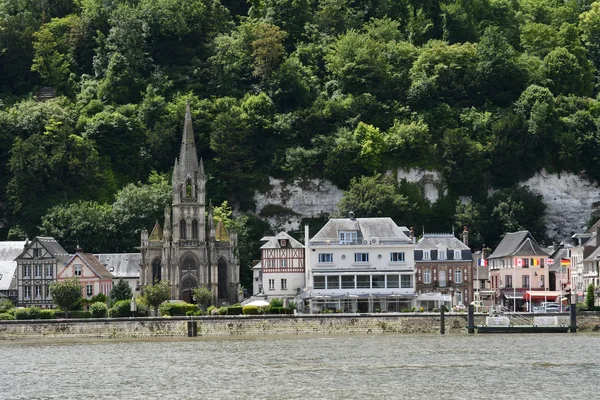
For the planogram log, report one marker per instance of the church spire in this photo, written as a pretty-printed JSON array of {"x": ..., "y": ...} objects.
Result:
[{"x": 188, "y": 158}]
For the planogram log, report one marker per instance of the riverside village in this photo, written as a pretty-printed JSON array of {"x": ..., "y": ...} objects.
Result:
[{"x": 188, "y": 267}]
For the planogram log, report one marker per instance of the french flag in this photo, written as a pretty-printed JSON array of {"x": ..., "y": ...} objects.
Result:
[{"x": 482, "y": 262}]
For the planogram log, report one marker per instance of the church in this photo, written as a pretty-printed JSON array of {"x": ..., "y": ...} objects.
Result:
[{"x": 189, "y": 251}]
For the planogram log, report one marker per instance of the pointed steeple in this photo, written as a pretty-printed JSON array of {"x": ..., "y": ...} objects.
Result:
[
  {"x": 188, "y": 159},
  {"x": 221, "y": 233},
  {"x": 156, "y": 235}
]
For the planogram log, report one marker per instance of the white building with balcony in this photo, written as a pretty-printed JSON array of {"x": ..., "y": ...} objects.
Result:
[{"x": 360, "y": 265}]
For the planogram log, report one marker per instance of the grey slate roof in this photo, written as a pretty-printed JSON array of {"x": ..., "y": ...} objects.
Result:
[
  {"x": 594, "y": 256},
  {"x": 440, "y": 240},
  {"x": 51, "y": 246},
  {"x": 367, "y": 228},
  {"x": 121, "y": 265},
  {"x": 94, "y": 264},
  {"x": 556, "y": 256},
  {"x": 273, "y": 242},
  {"x": 8, "y": 252},
  {"x": 513, "y": 245}
]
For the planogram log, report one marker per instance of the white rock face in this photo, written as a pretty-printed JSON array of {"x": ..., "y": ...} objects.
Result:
[{"x": 570, "y": 199}]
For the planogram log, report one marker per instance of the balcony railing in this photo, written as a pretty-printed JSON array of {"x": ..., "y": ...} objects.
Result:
[{"x": 378, "y": 241}]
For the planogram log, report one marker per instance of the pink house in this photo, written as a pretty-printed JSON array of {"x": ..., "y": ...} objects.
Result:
[{"x": 94, "y": 277}]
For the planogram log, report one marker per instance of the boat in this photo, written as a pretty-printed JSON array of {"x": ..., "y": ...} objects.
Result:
[{"x": 502, "y": 320}]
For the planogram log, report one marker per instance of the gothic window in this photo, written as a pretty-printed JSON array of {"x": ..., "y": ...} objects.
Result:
[
  {"x": 156, "y": 270},
  {"x": 189, "y": 263},
  {"x": 188, "y": 188},
  {"x": 194, "y": 229},
  {"x": 182, "y": 230}
]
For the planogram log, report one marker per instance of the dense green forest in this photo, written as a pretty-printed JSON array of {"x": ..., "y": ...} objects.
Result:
[{"x": 487, "y": 92}]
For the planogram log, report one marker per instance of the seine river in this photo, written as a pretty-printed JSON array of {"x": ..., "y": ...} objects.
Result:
[{"x": 558, "y": 366}]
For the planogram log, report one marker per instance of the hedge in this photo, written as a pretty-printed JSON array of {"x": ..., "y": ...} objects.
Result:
[
  {"x": 250, "y": 310},
  {"x": 176, "y": 309},
  {"x": 47, "y": 314},
  {"x": 235, "y": 310},
  {"x": 6, "y": 317},
  {"x": 120, "y": 309},
  {"x": 99, "y": 310}
]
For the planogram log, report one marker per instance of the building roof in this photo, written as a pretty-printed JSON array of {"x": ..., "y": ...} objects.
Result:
[
  {"x": 594, "y": 256},
  {"x": 367, "y": 228},
  {"x": 221, "y": 233},
  {"x": 274, "y": 242},
  {"x": 121, "y": 265},
  {"x": 557, "y": 256},
  {"x": 440, "y": 241},
  {"x": 594, "y": 228},
  {"x": 519, "y": 243},
  {"x": 157, "y": 233},
  {"x": 51, "y": 246},
  {"x": 8, "y": 252},
  {"x": 93, "y": 263}
]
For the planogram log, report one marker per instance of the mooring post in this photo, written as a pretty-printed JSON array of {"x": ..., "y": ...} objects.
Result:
[
  {"x": 471, "y": 325},
  {"x": 573, "y": 313},
  {"x": 192, "y": 328},
  {"x": 442, "y": 322}
]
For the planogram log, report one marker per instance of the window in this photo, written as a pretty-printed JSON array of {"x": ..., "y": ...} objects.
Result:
[
  {"x": 271, "y": 284},
  {"x": 319, "y": 282},
  {"x": 427, "y": 276},
  {"x": 89, "y": 290},
  {"x": 542, "y": 279},
  {"x": 458, "y": 276},
  {"x": 182, "y": 230},
  {"x": 406, "y": 281},
  {"x": 37, "y": 252},
  {"x": 26, "y": 292},
  {"x": 348, "y": 282},
  {"x": 38, "y": 292},
  {"x": 361, "y": 257},
  {"x": 284, "y": 284},
  {"x": 26, "y": 271},
  {"x": 348, "y": 237},
  {"x": 49, "y": 271},
  {"x": 525, "y": 281},
  {"x": 363, "y": 281},
  {"x": 325, "y": 257},
  {"x": 283, "y": 263},
  {"x": 393, "y": 281},
  {"x": 270, "y": 263},
  {"x": 508, "y": 280},
  {"x": 38, "y": 271},
  {"x": 457, "y": 255},
  {"x": 378, "y": 281},
  {"x": 397, "y": 257},
  {"x": 442, "y": 279},
  {"x": 333, "y": 282},
  {"x": 194, "y": 229},
  {"x": 426, "y": 255},
  {"x": 77, "y": 270},
  {"x": 442, "y": 254}
]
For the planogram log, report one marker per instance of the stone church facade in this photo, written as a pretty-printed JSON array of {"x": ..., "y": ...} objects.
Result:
[{"x": 190, "y": 252}]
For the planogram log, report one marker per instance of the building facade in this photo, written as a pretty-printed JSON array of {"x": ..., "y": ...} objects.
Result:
[
  {"x": 282, "y": 266},
  {"x": 359, "y": 265},
  {"x": 124, "y": 266},
  {"x": 444, "y": 265},
  {"x": 90, "y": 272},
  {"x": 187, "y": 252},
  {"x": 8, "y": 269},
  {"x": 37, "y": 268}
]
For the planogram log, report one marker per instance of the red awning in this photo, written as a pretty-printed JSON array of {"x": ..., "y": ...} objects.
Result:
[{"x": 541, "y": 295}]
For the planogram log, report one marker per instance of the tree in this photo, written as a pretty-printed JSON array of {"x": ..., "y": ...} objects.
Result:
[
  {"x": 120, "y": 291},
  {"x": 589, "y": 297},
  {"x": 157, "y": 293},
  {"x": 67, "y": 294},
  {"x": 564, "y": 74},
  {"x": 374, "y": 196},
  {"x": 204, "y": 297}
]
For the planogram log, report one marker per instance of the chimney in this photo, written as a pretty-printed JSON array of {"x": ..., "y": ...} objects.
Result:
[
  {"x": 351, "y": 215},
  {"x": 465, "y": 236},
  {"x": 412, "y": 234},
  {"x": 79, "y": 249}
]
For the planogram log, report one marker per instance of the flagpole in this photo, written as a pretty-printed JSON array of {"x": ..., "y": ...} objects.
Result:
[
  {"x": 514, "y": 283},
  {"x": 530, "y": 289}
]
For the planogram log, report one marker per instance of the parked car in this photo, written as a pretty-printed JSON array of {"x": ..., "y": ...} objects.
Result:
[
  {"x": 459, "y": 307},
  {"x": 547, "y": 308}
]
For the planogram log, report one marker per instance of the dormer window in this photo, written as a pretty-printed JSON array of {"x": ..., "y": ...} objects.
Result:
[
  {"x": 348, "y": 237},
  {"x": 442, "y": 254},
  {"x": 426, "y": 255},
  {"x": 283, "y": 242},
  {"x": 457, "y": 255}
]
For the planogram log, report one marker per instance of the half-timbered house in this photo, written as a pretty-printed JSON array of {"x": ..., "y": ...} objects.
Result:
[{"x": 282, "y": 265}]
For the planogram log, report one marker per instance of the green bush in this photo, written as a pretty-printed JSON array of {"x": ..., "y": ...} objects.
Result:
[
  {"x": 276, "y": 303},
  {"x": 59, "y": 314},
  {"x": 6, "y": 305},
  {"x": 34, "y": 312},
  {"x": 99, "y": 298},
  {"x": 223, "y": 311},
  {"x": 22, "y": 313},
  {"x": 279, "y": 310},
  {"x": 436, "y": 310},
  {"x": 120, "y": 309},
  {"x": 80, "y": 314},
  {"x": 292, "y": 305},
  {"x": 6, "y": 317},
  {"x": 176, "y": 309},
  {"x": 209, "y": 310},
  {"x": 47, "y": 314},
  {"x": 250, "y": 310},
  {"x": 99, "y": 309},
  {"x": 235, "y": 310}
]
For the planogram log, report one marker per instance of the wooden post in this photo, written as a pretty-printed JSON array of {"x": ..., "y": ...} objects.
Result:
[
  {"x": 442, "y": 322},
  {"x": 471, "y": 325},
  {"x": 192, "y": 328},
  {"x": 573, "y": 314}
]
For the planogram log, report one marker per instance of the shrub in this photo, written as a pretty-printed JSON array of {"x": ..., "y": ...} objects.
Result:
[
  {"x": 235, "y": 310},
  {"x": 222, "y": 311},
  {"x": 198, "y": 313},
  {"x": 6, "y": 305},
  {"x": 209, "y": 310},
  {"x": 99, "y": 298},
  {"x": 47, "y": 314},
  {"x": 250, "y": 310},
  {"x": 279, "y": 310},
  {"x": 176, "y": 309},
  {"x": 34, "y": 312},
  {"x": 120, "y": 309},
  {"x": 6, "y": 317},
  {"x": 276, "y": 303},
  {"x": 99, "y": 309},
  {"x": 81, "y": 314},
  {"x": 436, "y": 310},
  {"x": 413, "y": 309},
  {"x": 22, "y": 313},
  {"x": 292, "y": 305},
  {"x": 59, "y": 314}
]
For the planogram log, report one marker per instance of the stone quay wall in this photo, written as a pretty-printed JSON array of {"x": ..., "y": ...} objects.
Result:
[{"x": 252, "y": 326}]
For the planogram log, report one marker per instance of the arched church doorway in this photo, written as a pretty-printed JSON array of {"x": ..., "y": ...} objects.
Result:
[
  {"x": 223, "y": 284},
  {"x": 188, "y": 284},
  {"x": 156, "y": 270}
]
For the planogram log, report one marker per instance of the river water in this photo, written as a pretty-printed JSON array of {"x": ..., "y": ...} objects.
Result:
[{"x": 552, "y": 366}]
